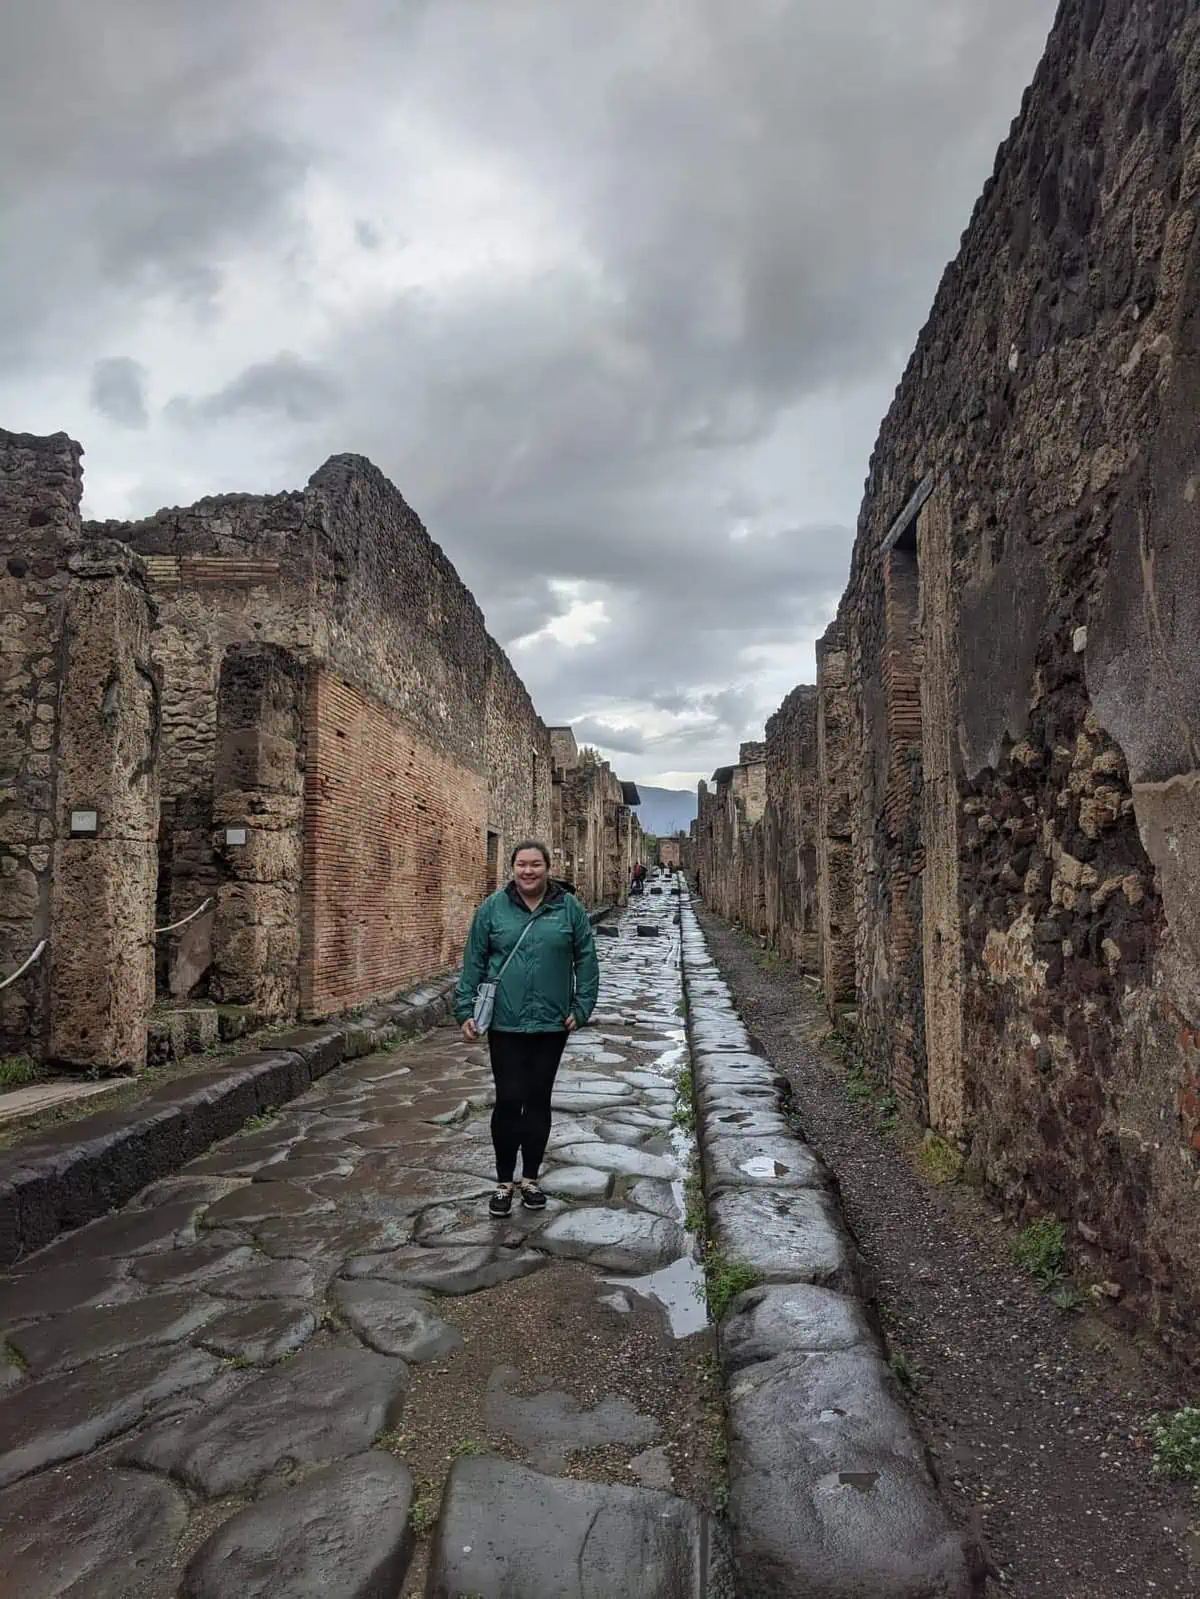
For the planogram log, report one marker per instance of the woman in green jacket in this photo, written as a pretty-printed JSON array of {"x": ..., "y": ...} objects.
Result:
[{"x": 548, "y": 989}]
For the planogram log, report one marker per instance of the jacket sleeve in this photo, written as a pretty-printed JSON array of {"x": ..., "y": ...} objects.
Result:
[
  {"x": 474, "y": 966},
  {"x": 587, "y": 968}
]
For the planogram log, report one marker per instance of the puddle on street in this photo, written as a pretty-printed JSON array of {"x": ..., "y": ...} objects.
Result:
[{"x": 678, "y": 1288}]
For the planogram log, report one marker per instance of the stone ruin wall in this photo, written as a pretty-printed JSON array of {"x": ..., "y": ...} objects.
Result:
[
  {"x": 835, "y": 785},
  {"x": 307, "y": 667},
  {"x": 39, "y": 529},
  {"x": 789, "y": 846},
  {"x": 79, "y": 731},
  {"x": 230, "y": 570},
  {"x": 342, "y": 572},
  {"x": 1009, "y": 781},
  {"x": 1031, "y": 938},
  {"x": 670, "y": 852},
  {"x": 599, "y": 833}
]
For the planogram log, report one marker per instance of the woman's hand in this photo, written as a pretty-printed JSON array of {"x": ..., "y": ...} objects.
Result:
[
  {"x": 469, "y": 1031},
  {"x": 570, "y": 1024}
]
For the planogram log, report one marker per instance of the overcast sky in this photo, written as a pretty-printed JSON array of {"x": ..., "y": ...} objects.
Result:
[{"x": 616, "y": 292}]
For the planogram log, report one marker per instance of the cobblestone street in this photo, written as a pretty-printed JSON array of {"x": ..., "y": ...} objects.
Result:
[{"x": 268, "y": 1373}]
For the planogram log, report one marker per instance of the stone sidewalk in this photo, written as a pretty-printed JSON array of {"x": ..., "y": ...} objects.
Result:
[{"x": 309, "y": 1363}]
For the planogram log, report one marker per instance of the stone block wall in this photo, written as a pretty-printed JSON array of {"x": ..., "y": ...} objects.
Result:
[
  {"x": 789, "y": 864},
  {"x": 229, "y": 571},
  {"x": 258, "y": 828},
  {"x": 598, "y": 832},
  {"x": 101, "y": 961},
  {"x": 305, "y": 666},
  {"x": 79, "y": 730},
  {"x": 1051, "y": 407},
  {"x": 40, "y": 491},
  {"x": 835, "y": 787}
]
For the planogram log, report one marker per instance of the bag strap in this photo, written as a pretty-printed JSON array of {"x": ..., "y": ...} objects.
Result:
[{"x": 515, "y": 947}]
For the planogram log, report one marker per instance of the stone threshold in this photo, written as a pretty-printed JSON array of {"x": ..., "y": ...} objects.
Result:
[
  {"x": 68, "y": 1175},
  {"x": 18, "y": 1103},
  {"x": 830, "y": 1486}
]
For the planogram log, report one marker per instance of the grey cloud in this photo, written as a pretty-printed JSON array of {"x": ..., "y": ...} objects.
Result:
[
  {"x": 753, "y": 203},
  {"x": 285, "y": 387},
  {"x": 610, "y": 736},
  {"x": 118, "y": 391},
  {"x": 176, "y": 207}
]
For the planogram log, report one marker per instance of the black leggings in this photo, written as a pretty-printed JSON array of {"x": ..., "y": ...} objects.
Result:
[{"x": 524, "y": 1067}]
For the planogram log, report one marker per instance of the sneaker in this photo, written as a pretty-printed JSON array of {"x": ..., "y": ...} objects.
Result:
[
  {"x": 532, "y": 1196},
  {"x": 500, "y": 1204}
]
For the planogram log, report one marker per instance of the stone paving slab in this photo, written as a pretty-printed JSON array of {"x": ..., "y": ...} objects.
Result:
[
  {"x": 344, "y": 1533},
  {"x": 82, "y": 1530},
  {"x": 44, "y": 1422},
  {"x": 567, "y": 1540},
  {"x": 21, "y": 1102},
  {"x": 321, "y": 1406}
]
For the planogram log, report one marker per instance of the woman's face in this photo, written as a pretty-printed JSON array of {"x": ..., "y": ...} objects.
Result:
[{"x": 531, "y": 872}]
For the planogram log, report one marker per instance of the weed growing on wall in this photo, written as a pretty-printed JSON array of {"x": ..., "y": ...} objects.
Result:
[
  {"x": 19, "y": 1071},
  {"x": 1041, "y": 1249},
  {"x": 1175, "y": 1444},
  {"x": 937, "y": 1160}
]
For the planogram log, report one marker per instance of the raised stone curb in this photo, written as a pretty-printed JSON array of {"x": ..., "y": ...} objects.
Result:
[
  {"x": 72, "y": 1174},
  {"x": 831, "y": 1493}
]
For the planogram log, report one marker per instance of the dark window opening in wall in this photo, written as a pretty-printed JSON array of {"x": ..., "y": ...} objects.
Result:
[
  {"x": 493, "y": 861},
  {"x": 533, "y": 809}
]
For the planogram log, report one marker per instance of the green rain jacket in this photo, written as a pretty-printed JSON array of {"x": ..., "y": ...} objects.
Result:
[{"x": 554, "y": 972}]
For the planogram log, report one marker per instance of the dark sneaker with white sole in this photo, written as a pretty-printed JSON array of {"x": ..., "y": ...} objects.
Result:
[
  {"x": 532, "y": 1197},
  {"x": 500, "y": 1204}
]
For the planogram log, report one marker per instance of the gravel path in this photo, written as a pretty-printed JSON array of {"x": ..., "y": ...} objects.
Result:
[{"x": 1035, "y": 1417}]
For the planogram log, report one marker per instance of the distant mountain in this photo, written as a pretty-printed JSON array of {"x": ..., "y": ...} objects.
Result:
[{"x": 666, "y": 810}]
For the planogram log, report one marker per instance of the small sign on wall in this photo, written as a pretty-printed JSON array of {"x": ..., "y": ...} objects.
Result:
[
  {"x": 85, "y": 824},
  {"x": 235, "y": 835}
]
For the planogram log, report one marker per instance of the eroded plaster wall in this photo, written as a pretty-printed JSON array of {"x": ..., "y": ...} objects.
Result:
[{"x": 1027, "y": 966}]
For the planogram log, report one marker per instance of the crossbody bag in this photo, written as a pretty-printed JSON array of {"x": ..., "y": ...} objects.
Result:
[{"x": 485, "y": 994}]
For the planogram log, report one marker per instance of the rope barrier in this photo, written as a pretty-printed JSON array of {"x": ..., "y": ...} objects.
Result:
[
  {"x": 25, "y": 965},
  {"x": 171, "y": 926}
]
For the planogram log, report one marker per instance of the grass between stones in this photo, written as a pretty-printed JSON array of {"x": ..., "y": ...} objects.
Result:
[
  {"x": 21, "y": 1071},
  {"x": 12, "y": 1357},
  {"x": 684, "y": 1115},
  {"x": 724, "y": 1279}
]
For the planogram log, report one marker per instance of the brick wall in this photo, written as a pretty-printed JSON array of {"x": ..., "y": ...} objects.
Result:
[{"x": 393, "y": 850}]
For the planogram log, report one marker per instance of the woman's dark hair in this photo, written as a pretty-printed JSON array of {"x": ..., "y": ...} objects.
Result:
[{"x": 530, "y": 843}]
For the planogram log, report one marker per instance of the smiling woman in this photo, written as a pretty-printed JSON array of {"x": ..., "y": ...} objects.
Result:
[{"x": 531, "y": 953}]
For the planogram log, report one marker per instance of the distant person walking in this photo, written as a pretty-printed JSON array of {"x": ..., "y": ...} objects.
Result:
[{"x": 534, "y": 941}]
